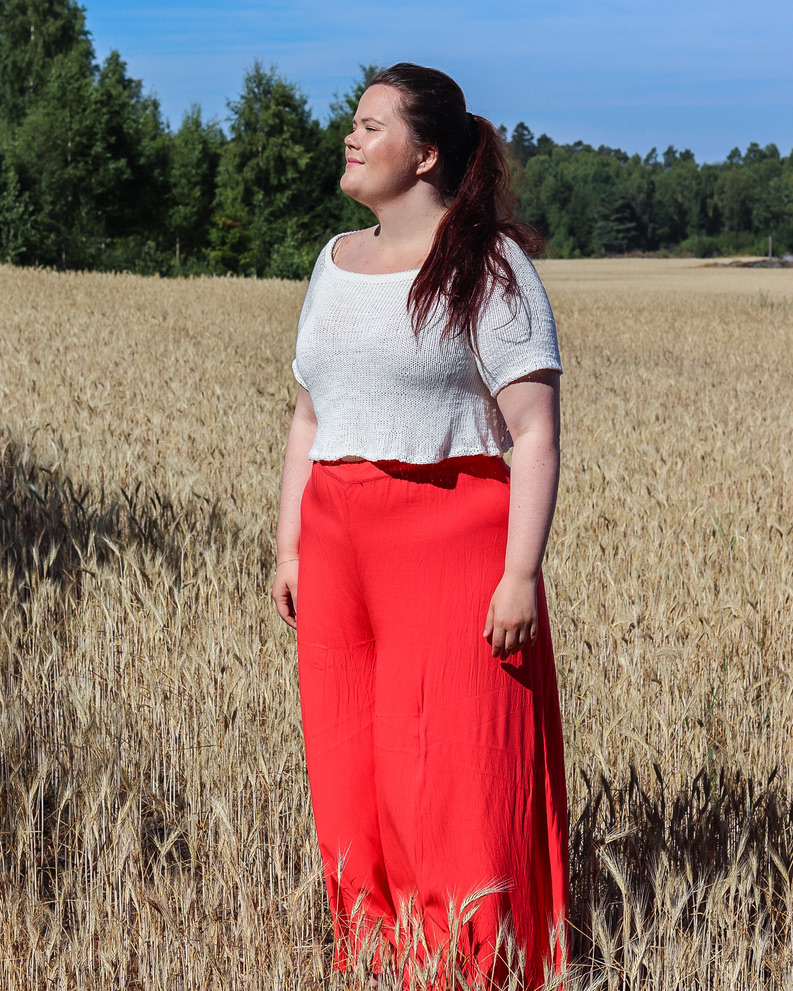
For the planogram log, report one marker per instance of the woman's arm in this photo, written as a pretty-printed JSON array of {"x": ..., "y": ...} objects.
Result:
[
  {"x": 530, "y": 408},
  {"x": 297, "y": 469}
]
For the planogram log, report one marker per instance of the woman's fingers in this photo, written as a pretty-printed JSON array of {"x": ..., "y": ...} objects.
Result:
[
  {"x": 514, "y": 640},
  {"x": 508, "y": 641},
  {"x": 512, "y": 617},
  {"x": 489, "y": 623},
  {"x": 531, "y": 633},
  {"x": 285, "y": 607},
  {"x": 284, "y": 594},
  {"x": 496, "y": 641}
]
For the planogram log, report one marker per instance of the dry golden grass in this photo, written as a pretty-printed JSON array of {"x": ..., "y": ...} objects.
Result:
[{"x": 155, "y": 828}]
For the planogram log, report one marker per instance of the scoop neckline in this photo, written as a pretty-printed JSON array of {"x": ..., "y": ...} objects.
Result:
[{"x": 346, "y": 273}]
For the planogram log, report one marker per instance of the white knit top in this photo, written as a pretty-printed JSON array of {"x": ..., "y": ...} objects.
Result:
[{"x": 381, "y": 393}]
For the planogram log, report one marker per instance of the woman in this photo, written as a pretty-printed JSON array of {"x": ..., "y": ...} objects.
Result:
[{"x": 426, "y": 347}]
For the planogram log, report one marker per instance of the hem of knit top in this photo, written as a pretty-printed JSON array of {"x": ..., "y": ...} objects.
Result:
[
  {"x": 381, "y": 394},
  {"x": 417, "y": 458}
]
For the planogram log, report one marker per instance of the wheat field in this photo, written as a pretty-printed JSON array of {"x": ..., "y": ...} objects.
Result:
[{"x": 155, "y": 823}]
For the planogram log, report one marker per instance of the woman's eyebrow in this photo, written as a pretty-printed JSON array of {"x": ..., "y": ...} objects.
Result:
[{"x": 366, "y": 120}]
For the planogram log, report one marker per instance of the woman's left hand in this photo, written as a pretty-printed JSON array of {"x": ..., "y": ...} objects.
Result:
[{"x": 512, "y": 616}]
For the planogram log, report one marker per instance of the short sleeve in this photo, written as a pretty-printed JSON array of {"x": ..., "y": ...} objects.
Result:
[
  {"x": 297, "y": 375},
  {"x": 308, "y": 302},
  {"x": 517, "y": 336}
]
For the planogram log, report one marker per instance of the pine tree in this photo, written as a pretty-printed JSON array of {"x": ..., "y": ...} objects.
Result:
[
  {"x": 33, "y": 35},
  {"x": 265, "y": 190},
  {"x": 17, "y": 227},
  {"x": 522, "y": 144},
  {"x": 194, "y": 155}
]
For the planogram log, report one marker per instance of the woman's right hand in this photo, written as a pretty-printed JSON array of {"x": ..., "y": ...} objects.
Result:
[
  {"x": 297, "y": 469},
  {"x": 285, "y": 592}
]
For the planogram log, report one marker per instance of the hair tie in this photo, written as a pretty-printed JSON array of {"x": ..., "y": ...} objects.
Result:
[{"x": 473, "y": 133}]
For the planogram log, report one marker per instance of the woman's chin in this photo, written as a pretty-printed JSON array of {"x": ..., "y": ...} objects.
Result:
[{"x": 349, "y": 186}]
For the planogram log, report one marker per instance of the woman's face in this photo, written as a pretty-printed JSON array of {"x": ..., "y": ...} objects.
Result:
[{"x": 382, "y": 159}]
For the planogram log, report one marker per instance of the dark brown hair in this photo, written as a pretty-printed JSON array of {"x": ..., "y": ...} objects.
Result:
[{"x": 467, "y": 260}]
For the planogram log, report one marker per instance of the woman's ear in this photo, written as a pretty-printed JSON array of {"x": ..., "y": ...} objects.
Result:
[{"x": 428, "y": 159}]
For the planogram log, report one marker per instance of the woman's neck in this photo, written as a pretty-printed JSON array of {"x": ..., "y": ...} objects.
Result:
[
  {"x": 400, "y": 242},
  {"x": 408, "y": 224}
]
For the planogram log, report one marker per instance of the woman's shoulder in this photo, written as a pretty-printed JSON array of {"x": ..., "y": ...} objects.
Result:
[
  {"x": 344, "y": 241},
  {"x": 327, "y": 255},
  {"x": 326, "y": 273},
  {"x": 515, "y": 253},
  {"x": 321, "y": 276},
  {"x": 527, "y": 282}
]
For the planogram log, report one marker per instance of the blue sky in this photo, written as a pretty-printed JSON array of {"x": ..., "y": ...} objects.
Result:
[{"x": 701, "y": 74}]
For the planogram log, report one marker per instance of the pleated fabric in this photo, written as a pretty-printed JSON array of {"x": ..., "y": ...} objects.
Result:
[{"x": 436, "y": 771}]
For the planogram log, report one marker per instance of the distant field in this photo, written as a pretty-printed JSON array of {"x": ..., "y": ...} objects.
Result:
[
  {"x": 155, "y": 826},
  {"x": 717, "y": 277}
]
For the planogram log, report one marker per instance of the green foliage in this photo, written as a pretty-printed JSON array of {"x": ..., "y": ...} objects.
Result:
[
  {"x": 264, "y": 192},
  {"x": 194, "y": 156},
  {"x": 229, "y": 237},
  {"x": 616, "y": 229},
  {"x": 522, "y": 144},
  {"x": 293, "y": 258},
  {"x": 89, "y": 154},
  {"x": 128, "y": 161},
  {"x": 50, "y": 152},
  {"x": 589, "y": 202},
  {"x": 17, "y": 230},
  {"x": 33, "y": 35}
]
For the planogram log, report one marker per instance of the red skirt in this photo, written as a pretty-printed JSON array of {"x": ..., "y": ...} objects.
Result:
[{"x": 436, "y": 771}]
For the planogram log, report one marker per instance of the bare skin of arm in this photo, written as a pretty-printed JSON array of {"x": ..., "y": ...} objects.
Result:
[
  {"x": 297, "y": 469},
  {"x": 530, "y": 408}
]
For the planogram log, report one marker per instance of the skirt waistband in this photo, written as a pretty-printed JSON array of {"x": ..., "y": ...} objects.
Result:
[{"x": 444, "y": 473}]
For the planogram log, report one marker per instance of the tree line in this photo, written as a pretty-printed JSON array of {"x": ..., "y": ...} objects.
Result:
[{"x": 91, "y": 177}]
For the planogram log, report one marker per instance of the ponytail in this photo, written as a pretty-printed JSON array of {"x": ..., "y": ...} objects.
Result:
[{"x": 467, "y": 261}]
